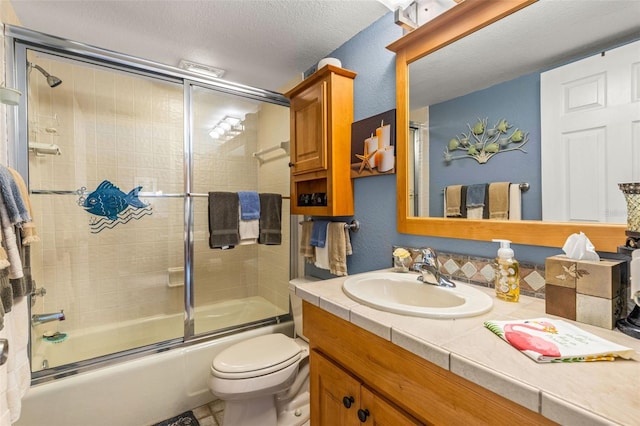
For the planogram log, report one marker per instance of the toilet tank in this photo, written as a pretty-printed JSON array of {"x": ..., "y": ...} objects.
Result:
[{"x": 296, "y": 304}]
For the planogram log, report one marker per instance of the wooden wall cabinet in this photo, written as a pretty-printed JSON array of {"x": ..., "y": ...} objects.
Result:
[
  {"x": 393, "y": 383},
  {"x": 321, "y": 116}
]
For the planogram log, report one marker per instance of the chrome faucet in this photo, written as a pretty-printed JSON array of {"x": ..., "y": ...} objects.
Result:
[
  {"x": 430, "y": 270},
  {"x": 37, "y": 319}
]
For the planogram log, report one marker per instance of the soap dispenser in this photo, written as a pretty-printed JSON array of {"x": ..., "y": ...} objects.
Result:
[{"x": 507, "y": 280}]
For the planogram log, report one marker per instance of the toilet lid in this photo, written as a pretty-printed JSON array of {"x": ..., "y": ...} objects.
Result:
[{"x": 255, "y": 357}]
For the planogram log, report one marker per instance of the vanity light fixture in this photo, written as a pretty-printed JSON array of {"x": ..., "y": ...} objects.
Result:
[
  {"x": 227, "y": 128},
  {"x": 410, "y": 14},
  {"x": 202, "y": 69}
]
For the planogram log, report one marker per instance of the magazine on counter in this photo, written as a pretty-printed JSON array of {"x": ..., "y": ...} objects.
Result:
[{"x": 551, "y": 340}]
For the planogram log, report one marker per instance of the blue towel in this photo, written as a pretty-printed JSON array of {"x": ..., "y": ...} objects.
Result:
[
  {"x": 319, "y": 233},
  {"x": 249, "y": 205},
  {"x": 476, "y": 194},
  {"x": 10, "y": 193}
]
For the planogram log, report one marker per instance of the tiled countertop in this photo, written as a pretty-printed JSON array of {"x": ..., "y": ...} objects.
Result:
[{"x": 587, "y": 393}]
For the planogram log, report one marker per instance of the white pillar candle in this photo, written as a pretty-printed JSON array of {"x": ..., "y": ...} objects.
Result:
[
  {"x": 384, "y": 135},
  {"x": 386, "y": 159},
  {"x": 370, "y": 147}
]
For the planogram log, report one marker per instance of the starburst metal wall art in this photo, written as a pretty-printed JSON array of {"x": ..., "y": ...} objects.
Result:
[{"x": 481, "y": 142}]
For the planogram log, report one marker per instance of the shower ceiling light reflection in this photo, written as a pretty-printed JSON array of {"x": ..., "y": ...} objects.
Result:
[{"x": 227, "y": 128}]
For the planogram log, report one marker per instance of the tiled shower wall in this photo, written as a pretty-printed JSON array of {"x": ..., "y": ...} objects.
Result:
[{"x": 129, "y": 130}]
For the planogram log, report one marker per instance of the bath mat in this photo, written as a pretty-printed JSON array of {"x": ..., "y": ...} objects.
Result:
[{"x": 185, "y": 419}]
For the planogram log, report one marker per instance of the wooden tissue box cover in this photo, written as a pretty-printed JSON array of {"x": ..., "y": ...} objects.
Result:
[{"x": 585, "y": 291}]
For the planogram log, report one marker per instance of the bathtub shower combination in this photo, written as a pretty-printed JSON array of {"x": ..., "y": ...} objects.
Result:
[{"x": 119, "y": 155}]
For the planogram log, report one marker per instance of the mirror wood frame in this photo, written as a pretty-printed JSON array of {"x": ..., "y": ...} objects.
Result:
[{"x": 457, "y": 22}]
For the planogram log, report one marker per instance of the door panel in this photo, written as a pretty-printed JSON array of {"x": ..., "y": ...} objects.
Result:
[{"x": 590, "y": 111}]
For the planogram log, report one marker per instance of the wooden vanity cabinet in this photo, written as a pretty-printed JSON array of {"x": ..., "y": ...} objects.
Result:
[
  {"x": 341, "y": 399},
  {"x": 321, "y": 114},
  {"x": 393, "y": 383}
]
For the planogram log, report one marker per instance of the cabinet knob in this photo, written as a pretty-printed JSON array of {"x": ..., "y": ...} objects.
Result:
[
  {"x": 291, "y": 164},
  {"x": 363, "y": 414},
  {"x": 347, "y": 401}
]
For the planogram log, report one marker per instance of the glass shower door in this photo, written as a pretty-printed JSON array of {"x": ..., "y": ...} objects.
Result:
[
  {"x": 106, "y": 167},
  {"x": 248, "y": 283}
]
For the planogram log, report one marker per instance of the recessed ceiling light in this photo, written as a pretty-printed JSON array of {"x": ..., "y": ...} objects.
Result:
[{"x": 207, "y": 70}]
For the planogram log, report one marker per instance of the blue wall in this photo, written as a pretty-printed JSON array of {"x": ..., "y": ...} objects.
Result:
[{"x": 375, "y": 197}]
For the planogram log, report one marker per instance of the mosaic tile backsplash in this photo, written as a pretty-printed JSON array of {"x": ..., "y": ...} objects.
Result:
[{"x": 480, "y": 271}]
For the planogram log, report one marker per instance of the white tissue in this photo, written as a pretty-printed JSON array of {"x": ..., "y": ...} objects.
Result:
[{"x": 578, "y": 247}]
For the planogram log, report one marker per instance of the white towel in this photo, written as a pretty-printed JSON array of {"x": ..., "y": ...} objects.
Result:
[
  {"x": 515, "y": 202},
  {"x": 322, "y": 253},
  {"x": 475, "y": 212},
  {"x": 249, "y": 230},
  {"x": 5, "y": 412},
  {"x": 18, "y": 370}
]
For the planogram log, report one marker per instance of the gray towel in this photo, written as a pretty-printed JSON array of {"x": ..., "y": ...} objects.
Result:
[
  {"x": 19, "y": 285},
  {"x": 270, "y": 219},
  {"x": 6, "y": 291},
  {"x": 223, "y": 220},
  {"x": 475, "y": 195}
]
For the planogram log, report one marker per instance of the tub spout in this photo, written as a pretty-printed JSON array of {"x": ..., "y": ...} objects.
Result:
[{"x": 37, "y": 319}]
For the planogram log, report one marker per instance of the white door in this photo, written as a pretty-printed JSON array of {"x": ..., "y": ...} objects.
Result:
[{"x": 590, "y": 118}]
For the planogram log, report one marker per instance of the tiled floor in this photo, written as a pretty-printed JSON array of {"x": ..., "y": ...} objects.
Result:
[{"x": 210, "y": 414}]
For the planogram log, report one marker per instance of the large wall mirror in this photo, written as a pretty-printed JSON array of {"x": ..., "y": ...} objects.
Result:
[{"x": 475, "y": 46}]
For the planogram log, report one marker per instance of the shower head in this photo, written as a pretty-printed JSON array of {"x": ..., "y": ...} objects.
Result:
[{"x": 52, "y": 80}]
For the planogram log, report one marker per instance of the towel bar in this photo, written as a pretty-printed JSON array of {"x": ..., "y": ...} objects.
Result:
[
  {"x": 282, "y": 145},
  {"x": 354, "y": 226},
  {"x": 524, "y": 187},
  {"x": 140, "y": 194}
]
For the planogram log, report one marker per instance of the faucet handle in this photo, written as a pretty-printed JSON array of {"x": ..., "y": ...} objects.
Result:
[{"x": 429, "y": 256}]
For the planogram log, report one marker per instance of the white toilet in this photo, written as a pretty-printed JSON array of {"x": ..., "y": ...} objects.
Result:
[{"x": 264, "y": 380}]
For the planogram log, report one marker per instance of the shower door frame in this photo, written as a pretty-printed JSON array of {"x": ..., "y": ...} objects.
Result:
[{"x": 17, "y": 41}]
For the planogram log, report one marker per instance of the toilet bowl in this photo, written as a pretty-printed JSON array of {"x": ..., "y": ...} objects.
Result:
[{"x": 264, "y": 380}]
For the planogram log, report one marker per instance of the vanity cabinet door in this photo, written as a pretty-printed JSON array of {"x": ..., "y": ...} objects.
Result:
[
  {"x": 380, "y": 412},
  {"x": 335, "y": 395},
  {"x": 340, "y": 399}
]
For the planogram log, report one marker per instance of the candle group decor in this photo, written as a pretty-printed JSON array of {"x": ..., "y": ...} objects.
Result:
[{"x": 373, "y": 145}]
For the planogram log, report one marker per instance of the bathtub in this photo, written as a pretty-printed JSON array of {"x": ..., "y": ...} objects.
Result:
[
  {"x": 144, "y": 390},
  {"x": 97, "y": 341}
]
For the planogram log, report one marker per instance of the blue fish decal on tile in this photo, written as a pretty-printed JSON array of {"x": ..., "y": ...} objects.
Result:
[{"x": 108, "y": 200}]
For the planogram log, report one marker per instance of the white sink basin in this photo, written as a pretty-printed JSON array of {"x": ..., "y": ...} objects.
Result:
[{"x": 404, "y": 294}]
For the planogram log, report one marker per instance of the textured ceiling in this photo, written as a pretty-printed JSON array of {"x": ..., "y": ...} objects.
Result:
[
  {"x": 261, "y": 43},
  {"x": 546, "y": 34}
]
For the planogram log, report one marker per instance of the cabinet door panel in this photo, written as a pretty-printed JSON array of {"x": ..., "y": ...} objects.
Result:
[
  {"x": 329, "y": 386},
  {"x": 383, "y": 413},
  {"x": 309, "y": 121}
]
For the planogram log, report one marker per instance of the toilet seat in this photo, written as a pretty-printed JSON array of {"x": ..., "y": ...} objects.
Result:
[{"x": 256, "y": 357}]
